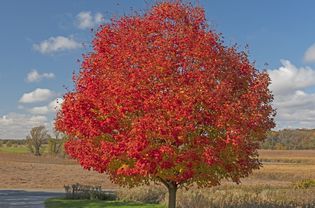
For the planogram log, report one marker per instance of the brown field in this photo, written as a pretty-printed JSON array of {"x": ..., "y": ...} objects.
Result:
[
  {"x": 24, "y": 171},
  {"x": 283, "y": 167}
]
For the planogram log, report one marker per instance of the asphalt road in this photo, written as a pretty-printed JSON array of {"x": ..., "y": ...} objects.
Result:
[{"x": 25, "y": 199}]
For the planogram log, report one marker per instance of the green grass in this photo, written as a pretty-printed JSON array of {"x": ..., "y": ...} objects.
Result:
[
  {"x": 67, "y": 203},
  {"x": 17, "y": 149}
]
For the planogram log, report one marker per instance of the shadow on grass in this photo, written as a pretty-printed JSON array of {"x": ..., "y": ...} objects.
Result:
[{"x": 61, "y": 203}]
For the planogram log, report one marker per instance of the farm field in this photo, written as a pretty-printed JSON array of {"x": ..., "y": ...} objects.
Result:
[
  {"x": 14, "y": 149},
  {"x": 272, "y": 185},
  {"x": 25, "y": 171},
  {"x": 19, "y": 149},
  {"x": 285, "y": 180},
  {"x": 283, "y": 167}
]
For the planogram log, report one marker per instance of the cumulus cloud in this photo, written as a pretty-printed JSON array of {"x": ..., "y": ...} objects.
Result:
[
  {"x": 17, "y": 126},
  {"x": 4, "y": 120},
  {"x": 38, "y": 95},
  {"x": 289, "y": 78},
  {"x": 309, "y": 55},
  {"x": 293, "y": 97},
  {"x": 86, "y": 20},
  {"x": 53, "y": 107},
  {"x": 40, "y": 110},
  {"x": 56, "y": 44},
  {"x": 296, "y": 110},
  {"x": 35, "y": 76}
]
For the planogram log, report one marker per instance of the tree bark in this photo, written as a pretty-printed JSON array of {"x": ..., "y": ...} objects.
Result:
[
  {"x": 37, "y": 151},
  {"x": 172, "y": 189}
]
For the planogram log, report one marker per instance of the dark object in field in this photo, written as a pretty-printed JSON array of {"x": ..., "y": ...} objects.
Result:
[{"x": 79, "y": 191}]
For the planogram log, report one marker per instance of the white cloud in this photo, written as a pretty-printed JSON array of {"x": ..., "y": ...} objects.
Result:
[
  {"x": 289, "y": 78},
  {"x": 20, "y": 107},
  {"x": 56, "y": 44},
  {"x": 4, "y": 120},
  {"x": 53, "y": 107},
  {"x": 296, "y": 110},
  {"x": 38, "y": 95},
  {"x": 17, "y": 126},
  {"x": 40, "y": 110},
  {"x": 34, "y": 76},
  {"x": 293, "y": 99},
  {"x": 309, "y": 55},
  {"x": 86, "y": 20}
]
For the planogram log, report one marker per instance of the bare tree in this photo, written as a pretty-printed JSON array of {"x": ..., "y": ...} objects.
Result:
[
  {"x": 36, "y": 139},
  {"x": 56, "y": 143}
]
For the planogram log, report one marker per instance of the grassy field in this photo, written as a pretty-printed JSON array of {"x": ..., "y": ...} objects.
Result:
[
  {"x": 26, "y": 171},
  {"x": 274, "y": 185},
  {"x": 283, "y": 167},
  {"x": 287, "y": 156},
  {"x": 14, "y": 149},
  {"x": 271, "y": 186},
  {"x": 244, "y": 196},
  {"x": 19, "y": 149},
  {"x": 65, "y": 203},
  {"x": 23, "y": 170}
]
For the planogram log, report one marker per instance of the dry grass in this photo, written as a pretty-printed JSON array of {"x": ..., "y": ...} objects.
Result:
[
  {"x": 288, "y": 156},
  {"x": 284, "y": 172},
  {"x": 246, "y": 197},
  {"x": 309, "y": 154},
  {"x": 283, "y": 167},
  {"x": 226, "y": 196},
  {"x": 25, "y": 171},
  {"x": 271, "y": 186}
]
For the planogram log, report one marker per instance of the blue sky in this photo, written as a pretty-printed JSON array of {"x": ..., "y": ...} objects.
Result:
[{"x": 42, "y": 40}]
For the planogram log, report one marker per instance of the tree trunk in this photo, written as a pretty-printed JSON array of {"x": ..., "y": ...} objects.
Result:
[
  {"x": 37, "y": 151},
  {"x": 172, "y": 195}
]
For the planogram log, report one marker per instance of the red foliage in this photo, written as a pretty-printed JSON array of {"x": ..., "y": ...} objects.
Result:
[{"x": 161, "y": 98}]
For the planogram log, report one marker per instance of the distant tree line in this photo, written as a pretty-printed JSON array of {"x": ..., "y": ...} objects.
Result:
[
  {"x": 286, "y": 139},
  {"x": 290, "y": 139},
  {"x": 13, "y": 141}
]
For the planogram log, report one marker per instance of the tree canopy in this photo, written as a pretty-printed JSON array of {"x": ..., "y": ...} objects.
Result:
[{"x": 160, "y": 98}]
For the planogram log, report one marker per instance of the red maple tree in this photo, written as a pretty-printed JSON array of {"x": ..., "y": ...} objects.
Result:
[{"x": 160, "y": 98}]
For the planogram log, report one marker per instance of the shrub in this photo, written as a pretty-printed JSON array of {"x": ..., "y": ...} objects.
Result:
[
  {"x": 79, "y": 191},
  {"x": 55, "y": 147},
  {"x": 145, "y": 194}
]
